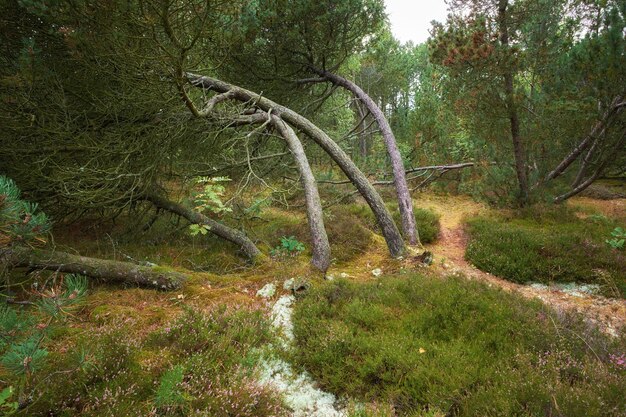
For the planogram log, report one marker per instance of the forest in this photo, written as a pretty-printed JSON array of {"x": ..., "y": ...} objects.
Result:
[{"x": 255, "y": 208}]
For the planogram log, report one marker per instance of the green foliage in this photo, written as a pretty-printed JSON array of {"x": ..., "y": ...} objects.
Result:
[
  {"x": 348, "y": 236},
  {"x": 199, "y": 363},
  {"x": 545, "y": 246},
  {"x": 24, "y": 334},
  {"x": 427, "y": 222},
  {"x": 195, "y": 229},
  {"x": 20, "y": 220},
  {"x": 422, "y": 343},
  {"x": 24, "y": 357},
  {"x": 8, "y": 407},
  {"x": 619, "y": 237},
  {"x": 210, "y": 198},
  {"x": 56, "y": 303},
  {"x": 168, "y": 393},
  {"x": 289, "y": 247}
]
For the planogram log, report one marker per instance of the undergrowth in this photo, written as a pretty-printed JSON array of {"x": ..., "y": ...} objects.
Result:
[
  {"x": 199, "y": 364},
  {"x": 430, "y": 346},
  {"x": 427, "y": 221},
  {"x": 548, "y": 245}
]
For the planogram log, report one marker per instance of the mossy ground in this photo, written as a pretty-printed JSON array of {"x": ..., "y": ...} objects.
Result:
[{"x": 122, "y": 330}]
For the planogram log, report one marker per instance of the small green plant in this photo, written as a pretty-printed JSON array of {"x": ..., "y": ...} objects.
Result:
[
  {"x": 168, "y": 394},
  {"x": 196, "y": 229},
  {"x": 20, "y": 221},
  {"x": 210, "y": 198},
  {"x": 289, "y": 247},
  {"x": 619, "y": 238},
  {"x": 23, "y": 334}
]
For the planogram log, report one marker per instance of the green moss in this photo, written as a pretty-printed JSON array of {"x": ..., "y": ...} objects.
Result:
[
  {"x": 547, "y": 246},
  {"x": 427, "y": 221},
  {"x": 424, "y": 343},
  {"x": 348, "y": 237}
]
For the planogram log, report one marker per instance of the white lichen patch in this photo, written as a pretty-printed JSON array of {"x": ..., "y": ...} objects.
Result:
[
  {"x": 281, "y": 316},
  {"x": 267, "y": 291},
  {"x": 571, "y": 288},
  {"x": 298, "y": 389}
]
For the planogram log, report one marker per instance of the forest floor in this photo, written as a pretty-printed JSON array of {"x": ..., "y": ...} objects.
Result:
[
  {"x": 135, "y": 319},
  {"x": 449, "y": 255}
]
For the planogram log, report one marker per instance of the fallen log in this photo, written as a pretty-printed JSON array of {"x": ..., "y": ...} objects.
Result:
[{"x": 101, "y": 269}]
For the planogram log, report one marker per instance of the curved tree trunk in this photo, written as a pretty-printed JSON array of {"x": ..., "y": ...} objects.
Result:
[
  {"x": 405, "y": 204},
  {"x": 319, "y": 239},
  {"x": 219, "y": 229},
  {"x": 387, "y": 225},
  {"x": 106, "y": 270}
]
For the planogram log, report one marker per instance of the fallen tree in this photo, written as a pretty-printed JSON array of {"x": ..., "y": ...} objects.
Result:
[
  {"x": 101, "y": 269},
  {"x": 22, "y": 227}
]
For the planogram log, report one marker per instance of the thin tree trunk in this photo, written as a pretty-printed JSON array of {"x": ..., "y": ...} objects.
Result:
[
  {"x": 405, "y": 204},
  {"x": 106, "y": 270},
  {"x": 389, "y": 229},
  {"x": 218, "y": 229},
  {"x": 363, "y": 147},
  {"x": 582, "y": 185},
  {"x": 598, "y": 130},
  {"x": 509, "y": 91},
  {"x": 319, "y": 238}
]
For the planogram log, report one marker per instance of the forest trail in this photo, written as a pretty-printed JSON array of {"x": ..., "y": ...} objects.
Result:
[{"x": 449, "y": 250}]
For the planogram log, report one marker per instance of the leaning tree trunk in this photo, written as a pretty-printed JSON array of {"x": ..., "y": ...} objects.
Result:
[
  {"x": 405, "y": 204},
  {"x": 219, "y": 229},
  {"x": 599, "y": 129},
  {"x": 319, "y": 239},
  {"x": 389, "y": 229},
  {"x": 105, "y": 270}
]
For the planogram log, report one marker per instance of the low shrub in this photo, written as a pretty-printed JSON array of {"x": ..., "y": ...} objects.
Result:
[
  {"x": 202, "y": 363},
  {"x": 547, "y": 246},
  {"x": 451, "y": 347}
]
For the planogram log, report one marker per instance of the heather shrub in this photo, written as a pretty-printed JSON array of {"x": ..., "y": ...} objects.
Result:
[{"x": 429, "y": 346}]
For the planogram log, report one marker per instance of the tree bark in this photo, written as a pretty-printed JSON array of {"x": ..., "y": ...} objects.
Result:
[
  {"x": 389, "y": 229},
  {"x": 218, "y": 229},
  {"x": 319, "y": 238},
  {"x": 405, "y": 204},
  {"x": 518, "y": 145},
  {"x": 106, "y": 270}
]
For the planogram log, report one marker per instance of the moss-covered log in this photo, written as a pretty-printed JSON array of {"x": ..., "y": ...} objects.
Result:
[{"x": 101, "y": 269}]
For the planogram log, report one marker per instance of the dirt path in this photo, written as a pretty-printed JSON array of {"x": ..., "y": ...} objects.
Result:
[{"x": 608, "y": 314}]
